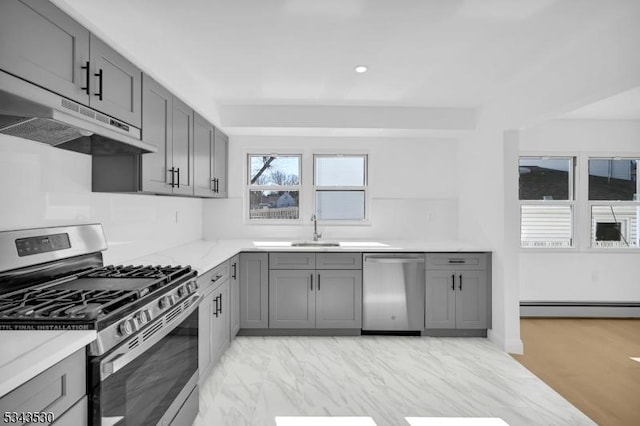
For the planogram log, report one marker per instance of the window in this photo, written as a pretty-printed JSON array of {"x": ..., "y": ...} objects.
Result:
[
  {"x": 614, "y": 203},
  {"x": 546, "y": 192},
  {"x": 274, "y": 186},
  {"x": 340, "y": 187}
]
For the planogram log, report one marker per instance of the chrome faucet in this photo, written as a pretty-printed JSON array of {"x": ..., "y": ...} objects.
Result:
[{"x": 316, "y": 236}]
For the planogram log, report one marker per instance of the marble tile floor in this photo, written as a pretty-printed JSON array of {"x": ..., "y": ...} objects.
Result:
[{"x": 385, "y": 377}]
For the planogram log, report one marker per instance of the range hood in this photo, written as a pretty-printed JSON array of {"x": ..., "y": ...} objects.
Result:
[{"x": 31, "y": 112}]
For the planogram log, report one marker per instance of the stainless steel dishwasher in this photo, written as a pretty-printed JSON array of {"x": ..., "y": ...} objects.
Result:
[{"x": 393, "y": 292}]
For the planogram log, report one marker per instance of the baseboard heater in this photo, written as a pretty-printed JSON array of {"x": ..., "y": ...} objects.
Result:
[{"x": 580, "y": 309}]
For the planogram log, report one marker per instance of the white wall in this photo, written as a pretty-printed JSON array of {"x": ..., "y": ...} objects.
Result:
[
  {"x": 413, "y": 189},
  {"x": 46, "y": 186},
  {"x": 581, "y": 274}
]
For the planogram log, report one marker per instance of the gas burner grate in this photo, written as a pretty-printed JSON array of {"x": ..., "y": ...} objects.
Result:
[
  {"x": 52, "y": 303},
  {"x": 139, "y": 271}
]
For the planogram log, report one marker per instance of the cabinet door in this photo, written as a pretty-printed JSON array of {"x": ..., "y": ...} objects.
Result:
[
  {"x": 440, "y": 303},
  {"x": 182, "y": 127},
  {"x": 116, "y": 84},
  {"x": 220, "y": 324},
  {"x": 205, "y": 318},
  {"x": 234, "y": 295},
  {"x": 42, "y": 44},
  {"x": 292, "y": 299},
  {"x": 203, "y": 184},
  {"x": 254, "y": 290},
  {"x": 339, "y": 299},
  {"x": 221, "y": 147},
  {"x": 156, "y": 131},
  {"x": 471, "y": 299}
]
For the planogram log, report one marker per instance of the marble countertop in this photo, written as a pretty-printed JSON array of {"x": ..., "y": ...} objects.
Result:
[
  {"x": 25, "y": 354},
  {"x": 203, "y": 255}
]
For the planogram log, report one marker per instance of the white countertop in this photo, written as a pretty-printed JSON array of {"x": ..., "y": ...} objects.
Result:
[
  {"x": 203, "y": 255},
  {"x": 25, "y": 354}
]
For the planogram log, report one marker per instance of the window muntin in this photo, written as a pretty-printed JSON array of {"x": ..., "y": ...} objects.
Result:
[
  {"x": 340, "y": 186},
  {"x": 274, "y": 186},
  {"x": 546, "y": 193}
]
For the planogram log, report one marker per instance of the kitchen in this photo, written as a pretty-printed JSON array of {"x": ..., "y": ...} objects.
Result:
[{"x": 440, "y": 137}]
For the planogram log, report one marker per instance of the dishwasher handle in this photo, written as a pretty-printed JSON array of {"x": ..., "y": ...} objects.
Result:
[{"x": 382, "y": 259}]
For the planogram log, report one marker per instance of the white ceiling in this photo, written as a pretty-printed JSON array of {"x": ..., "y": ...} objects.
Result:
[
  {"x": 449, "y": 54},
  {"x": 623, "y": 106}
]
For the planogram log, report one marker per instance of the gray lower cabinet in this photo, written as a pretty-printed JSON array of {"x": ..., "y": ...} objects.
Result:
[
  {"x": 456, "y": 296},
  {"x": 254, "y": 290},
  {"x": 292, "y": 299},
  {"x": 315, "y": 299},
  {"x": 213, "y": 318},
  {"x": 234, "y": 295},
  {"x": 61, "y": 390},
  {"x": 52, "y": 50}
]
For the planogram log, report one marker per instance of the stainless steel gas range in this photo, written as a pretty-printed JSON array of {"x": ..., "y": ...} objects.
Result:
[{"x": 143, "y": 367}]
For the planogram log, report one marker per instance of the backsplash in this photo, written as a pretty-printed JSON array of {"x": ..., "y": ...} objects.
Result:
[{"x": 45, "y": 186}]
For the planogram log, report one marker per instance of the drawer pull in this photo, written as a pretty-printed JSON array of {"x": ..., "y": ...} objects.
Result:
[{"x": 457, "y": 261}]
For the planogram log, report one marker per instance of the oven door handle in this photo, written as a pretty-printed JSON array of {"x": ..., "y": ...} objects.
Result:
[{"x": 119, "y": 360}]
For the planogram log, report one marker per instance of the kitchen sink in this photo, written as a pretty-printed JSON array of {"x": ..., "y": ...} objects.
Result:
[{"x": 314, "y": 244}]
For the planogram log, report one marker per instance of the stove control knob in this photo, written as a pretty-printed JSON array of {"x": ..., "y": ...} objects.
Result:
[
  {"x": 143, "y": 317},
  {"x": 126, "y": 327},
  {"x": 182, "y": 291},
  {"x": 166, "y": 302},
  {"x": 192, "y": 286}
]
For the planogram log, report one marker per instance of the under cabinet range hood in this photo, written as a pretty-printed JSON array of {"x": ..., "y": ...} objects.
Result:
[{"x": 31, "y": 112}]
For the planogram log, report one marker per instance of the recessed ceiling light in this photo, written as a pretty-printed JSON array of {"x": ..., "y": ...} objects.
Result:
[{"x": 361, "y": 68}]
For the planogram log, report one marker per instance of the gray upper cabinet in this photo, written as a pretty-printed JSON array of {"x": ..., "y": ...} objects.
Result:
[
  {"x": 203, "y": 151},
  {"x": 157, "y": 131},
  {"x": 182, "y": 148},
  {"x": 42, "y": 44},
  {"x": 457, "y": 291},
  {"x": 116, "y": 84},
  {"x": 50, "y": 49},
  {"x": 254, "y": 288},
  {"x": 220, "y": 160}
]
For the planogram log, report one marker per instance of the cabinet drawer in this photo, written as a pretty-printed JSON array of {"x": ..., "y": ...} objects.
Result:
[
  {"x": 55, "y": 390},
  {"x": 458, "y": 261},
  {"x": 292, "y": 260},
  {"x": 338, "y": 260},
  {"x": 212, "y": 279}
]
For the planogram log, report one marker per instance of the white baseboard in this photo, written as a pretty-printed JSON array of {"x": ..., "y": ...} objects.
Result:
[
  {"x": 512, "y": 346},
  {"x": 580, "y": 309}
]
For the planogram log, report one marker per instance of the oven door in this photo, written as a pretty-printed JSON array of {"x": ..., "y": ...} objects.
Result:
[{"x": 151, "y": 378}]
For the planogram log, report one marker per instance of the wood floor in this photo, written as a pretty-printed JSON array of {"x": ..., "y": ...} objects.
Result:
[{"x": 587, "y": 361}]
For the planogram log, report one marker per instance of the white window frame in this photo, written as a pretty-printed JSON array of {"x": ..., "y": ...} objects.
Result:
[
  {"x": 249, "y": 187},
  {"x": 364, "y": 188},
  {"x": 606, "y": 203},
  {"x": 571, "y": 202}
]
